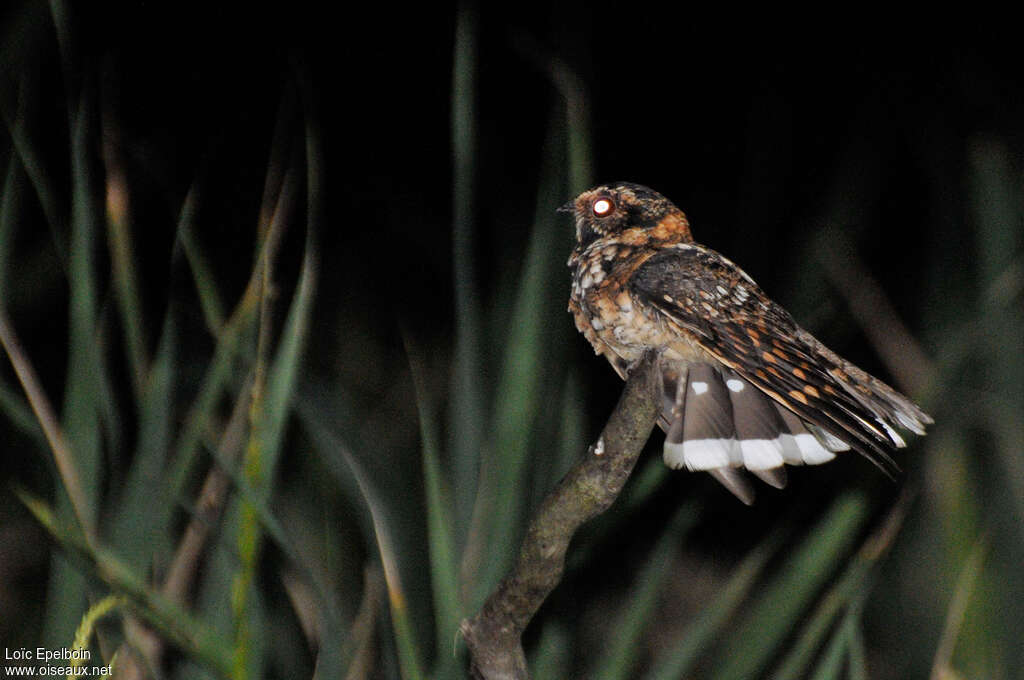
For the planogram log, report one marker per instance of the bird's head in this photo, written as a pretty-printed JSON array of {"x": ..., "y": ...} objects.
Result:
[{"x": 612, "y": 209}]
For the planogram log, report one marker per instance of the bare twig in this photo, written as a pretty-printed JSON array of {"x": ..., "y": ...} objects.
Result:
[{"x": 589, "y": 488}]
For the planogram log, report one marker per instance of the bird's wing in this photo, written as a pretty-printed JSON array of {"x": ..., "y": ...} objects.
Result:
[{"x": 723, "y": 311}]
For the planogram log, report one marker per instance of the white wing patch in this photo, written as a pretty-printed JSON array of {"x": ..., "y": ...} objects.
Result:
[
  {"x": 701, "y": 454},
  {"x": 761, "y": 454},
  {"x": 734, "y": 384},
  {"x": 805, "y": 449}
]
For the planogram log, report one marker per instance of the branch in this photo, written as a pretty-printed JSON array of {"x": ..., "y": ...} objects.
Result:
[{"x": 588, "y": 489}]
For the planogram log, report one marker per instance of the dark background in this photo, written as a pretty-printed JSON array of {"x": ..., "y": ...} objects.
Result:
[
  {"x": 886, "y": 149},
  {"x": 757, "y": 132}
]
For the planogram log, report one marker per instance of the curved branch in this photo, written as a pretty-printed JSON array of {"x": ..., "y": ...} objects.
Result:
[{"x": 588, "y": 489}]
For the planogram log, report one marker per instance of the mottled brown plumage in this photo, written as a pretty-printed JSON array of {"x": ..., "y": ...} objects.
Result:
[{"x": 744, "y": 385}]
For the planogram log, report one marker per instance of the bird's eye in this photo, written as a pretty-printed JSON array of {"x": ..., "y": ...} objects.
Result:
[{"x": 603, "y": 207}]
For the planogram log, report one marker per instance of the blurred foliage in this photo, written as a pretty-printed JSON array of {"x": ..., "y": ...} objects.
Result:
[{"x": 288, "y": 370}]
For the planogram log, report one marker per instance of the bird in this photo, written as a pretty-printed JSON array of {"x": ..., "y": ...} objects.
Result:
[{"x": 742, "y": 385}]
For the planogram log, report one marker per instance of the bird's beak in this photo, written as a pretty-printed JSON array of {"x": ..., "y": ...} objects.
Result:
[{"x": 568, "y": 207}]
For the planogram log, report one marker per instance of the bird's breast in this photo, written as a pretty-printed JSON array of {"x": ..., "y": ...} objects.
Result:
[{"x": 610, "y": 317}]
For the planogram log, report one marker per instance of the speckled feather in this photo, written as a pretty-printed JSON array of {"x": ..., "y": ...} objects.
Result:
[{"x": 640, "y": 282}]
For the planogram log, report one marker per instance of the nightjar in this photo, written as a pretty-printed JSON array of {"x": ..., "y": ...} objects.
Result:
[{"x": 743, "y": 386}]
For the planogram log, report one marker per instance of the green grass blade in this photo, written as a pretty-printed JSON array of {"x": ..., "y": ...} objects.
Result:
[
  {"x": 83, "y": 393},
  {"x": 844, "y": 647},
  {"x": 315, "y": 406},
  {"x": 997, "y": 204},
  {"x": 138, "y": 529},
  {"x": 817, "y": 629},
  {"x": 680, "y": 658},
  {"x": 358, "y": 648},
  {"x": 942, "y": 665},
  {"x": 38, "y": 175},
  {"x": 444, "y": 574},
  {"x": 66, "y": 46},
  {"x": 46, "y": 417},
  {"x": 830, "y": 667},
  {"x": 269, "y": 412},
  {"x": 850, "y": 590},
  {"x": 230, "y": 340},
  {"x": 125, "y": 277},
  {"x": 283, "y": 374},
  {"x": 231, "y": 574},
  {"x": 848, "y": 593},
  {"x": 775, "y": 613},
  {"x": 645, "y": 482},
  {"x": 202, "y": 273},
  {"x": 468, "y": 409},
  {"x": 333, "y": 448},
  {"x": 996, "y": 212},
  {"x": 621, "y": 654},
  {"x": 272, "y": 399},
  {"x": 169, "y": 620},
  {"x": 855, "y": 645},
  {"x": 218, "y": 375},
  {"x": 572, "y": 437},
  {"x": 227, "y": 558},
  {"x": 140, "y": 524},
  {"x": 405, "y": 639},
  {"x": 20, "y": 415},
  {"x": 12, "y": 404},
  {"x": 10, "y": 204},
  {"x": 551, "y": 660},
  {"x": 579, "y": 144},
  {"x": 502, "y": 496}
]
